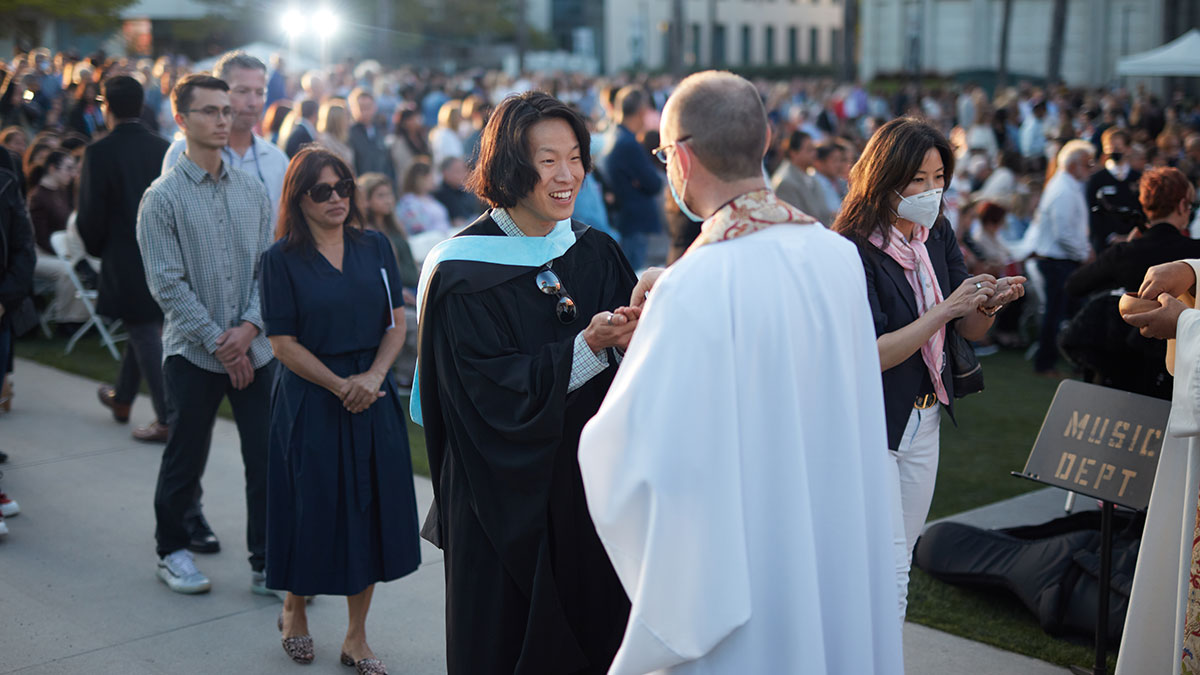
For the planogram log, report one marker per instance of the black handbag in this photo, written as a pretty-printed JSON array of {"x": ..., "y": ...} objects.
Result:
[{"x": 964, "y": 365}]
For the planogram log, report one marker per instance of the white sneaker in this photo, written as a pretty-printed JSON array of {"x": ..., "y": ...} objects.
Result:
[
  {"x": 8, "y": 507},
  {"x": 178, "y": 571}
]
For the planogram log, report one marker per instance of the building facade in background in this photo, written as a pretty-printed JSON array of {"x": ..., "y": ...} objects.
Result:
[
  {"x": 949, "y": 36},
  {"x": 634, "y": 34}
]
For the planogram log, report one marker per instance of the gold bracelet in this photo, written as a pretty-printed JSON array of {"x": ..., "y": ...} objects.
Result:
[{"x": 995, "y": 310}]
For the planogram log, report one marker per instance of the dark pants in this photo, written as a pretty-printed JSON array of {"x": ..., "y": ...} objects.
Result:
[
  {"x": 6, "y": 345},
  {"x": 143, "y": 356},
  {"x": 1054, "y": 273},
  {"x": 193, "y": 396}
]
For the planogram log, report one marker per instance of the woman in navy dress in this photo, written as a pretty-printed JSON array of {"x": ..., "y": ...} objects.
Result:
[{"x": 341, "y": 512}]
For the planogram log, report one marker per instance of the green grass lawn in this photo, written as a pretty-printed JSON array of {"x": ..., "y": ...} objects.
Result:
[{"x": 996, "y": 430}]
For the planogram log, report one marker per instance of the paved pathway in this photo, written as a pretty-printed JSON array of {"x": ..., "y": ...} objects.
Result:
[{"x": 78, "y": 592}]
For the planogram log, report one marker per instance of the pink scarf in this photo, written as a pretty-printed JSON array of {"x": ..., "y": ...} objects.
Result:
[{"x": 918, "y": 270}]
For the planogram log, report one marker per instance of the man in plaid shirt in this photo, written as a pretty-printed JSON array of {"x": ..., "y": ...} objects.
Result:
[{"x": 201, "y": 229}]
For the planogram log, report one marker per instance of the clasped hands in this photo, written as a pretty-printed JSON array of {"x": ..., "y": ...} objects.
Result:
[
  {"x": 1162, "y": 284},
  {"x": 358, "y": 392},
  {"x": 232, "y": 351},
  {"x": 616, "y": 328}
]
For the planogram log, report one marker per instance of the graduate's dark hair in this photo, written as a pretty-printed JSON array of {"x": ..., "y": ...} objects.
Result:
[
  {"x": 891, "y": 159},
  {"x": 303, "y": 172},
  {"x": 504, "y": 173}
]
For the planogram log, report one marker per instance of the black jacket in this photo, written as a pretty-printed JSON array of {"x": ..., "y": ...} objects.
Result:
[
  {"x": 1101, "y": 223},
  {"x": 894, "y": 306},
  {"x": 370, "y": 154},
  {"x": 17, "y": 256},
  {"x": 116, "y": 171},
  {"x": 1124, "y": 265},
  {"x": 298, "y": 138}
]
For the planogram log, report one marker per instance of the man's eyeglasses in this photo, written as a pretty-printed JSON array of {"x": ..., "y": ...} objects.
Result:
[
  {"x": 661, "y": 151},
  {"x": 549, "y": 283},
  {"x": 321, "y": 192},
  {"x": 212, "y": 112}
]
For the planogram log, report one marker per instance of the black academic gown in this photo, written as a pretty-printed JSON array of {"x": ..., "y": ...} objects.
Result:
[{"x": 529, "y": 588}]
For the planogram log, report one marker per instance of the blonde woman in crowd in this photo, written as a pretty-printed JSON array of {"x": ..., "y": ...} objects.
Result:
[
  {"x": 377, "y": 209},
  {"x": 333, "y": 129}
]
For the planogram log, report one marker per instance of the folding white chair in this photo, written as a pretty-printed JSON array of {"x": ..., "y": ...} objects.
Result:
[{"x": 62, "y": 249}]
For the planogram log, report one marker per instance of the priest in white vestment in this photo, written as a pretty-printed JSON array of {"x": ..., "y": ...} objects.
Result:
[
  {"x": 734, "y": 472},
  {"x": 1160, "y": 631}
]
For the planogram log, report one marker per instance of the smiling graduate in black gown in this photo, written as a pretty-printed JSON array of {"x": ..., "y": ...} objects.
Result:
[{"x": 520, "y": 339}]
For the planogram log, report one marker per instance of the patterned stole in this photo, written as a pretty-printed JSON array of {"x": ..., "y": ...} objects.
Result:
[
  {"x": 747, "y": 214},
  {"x": 1191, "y": 629}
]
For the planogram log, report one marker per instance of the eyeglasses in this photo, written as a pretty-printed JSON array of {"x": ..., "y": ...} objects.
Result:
[
  {"x": 661, "y": 151},
  {"x": 212, "y": 112},
  {"x": 549, "y": 283},
  {"x": 321, "y": 192}
]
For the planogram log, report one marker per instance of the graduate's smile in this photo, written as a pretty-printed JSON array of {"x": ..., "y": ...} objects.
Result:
[{"x": 563, "y": 196}]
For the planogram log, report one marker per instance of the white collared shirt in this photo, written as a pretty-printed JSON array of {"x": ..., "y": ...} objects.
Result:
[
  {"x": 1060, "y": 226},
  {"x": 262, "y": 160}
]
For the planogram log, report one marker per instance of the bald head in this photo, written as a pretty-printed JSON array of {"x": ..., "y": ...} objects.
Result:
[{"x": 725, "y": 118}]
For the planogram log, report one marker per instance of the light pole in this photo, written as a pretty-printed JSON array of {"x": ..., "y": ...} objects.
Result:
[
  {"x": 294, "y": 24},
  {"x": 325, "y": 23}
]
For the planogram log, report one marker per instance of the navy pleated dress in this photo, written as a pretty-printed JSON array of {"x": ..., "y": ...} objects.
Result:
[{"x": 341, "y": 513}]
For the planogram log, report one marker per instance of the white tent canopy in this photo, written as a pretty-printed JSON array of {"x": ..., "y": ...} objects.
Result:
[{"x": 1178, "y": 57}]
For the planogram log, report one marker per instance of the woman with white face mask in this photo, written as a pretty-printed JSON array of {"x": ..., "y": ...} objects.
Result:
[{"x": 919, "y": 290}]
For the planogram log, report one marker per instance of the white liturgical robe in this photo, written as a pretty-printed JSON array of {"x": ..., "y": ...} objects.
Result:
[
  {"x": 736, "y": 472},
  {"x": 1152, "y": 641}
]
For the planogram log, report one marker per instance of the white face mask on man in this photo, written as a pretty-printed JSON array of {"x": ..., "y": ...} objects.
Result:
[{"x": 922, "y": 209}]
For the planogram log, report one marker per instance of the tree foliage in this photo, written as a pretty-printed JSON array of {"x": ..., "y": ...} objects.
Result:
[{"x": 87, "y": 14}]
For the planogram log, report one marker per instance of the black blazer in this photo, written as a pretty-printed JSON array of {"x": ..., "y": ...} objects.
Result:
[
  {"x": 116, "y": 171},
  {"x": 17, "y": 255},
  {"x": 1101, "y": 224},
  {"x": 298, "y": 138},
  {"x": 1124, "y": 265},
  {"x": 370, "y": 154},
  {"x": 894, "y": 306}
]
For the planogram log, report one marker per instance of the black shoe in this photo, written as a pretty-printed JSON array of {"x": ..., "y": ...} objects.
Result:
[
  {"x": 202, "y": 538},
  {"x": 67, "y": 329},
  {"x": 3, "y": 457}
]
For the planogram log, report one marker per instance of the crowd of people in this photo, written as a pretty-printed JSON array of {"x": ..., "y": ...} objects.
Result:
[{"x": 275, "y": 238}]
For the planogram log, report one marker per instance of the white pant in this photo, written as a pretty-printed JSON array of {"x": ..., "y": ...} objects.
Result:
[
  {"x": 50, "y": 275},
  {"x": 914, "y": 469}
]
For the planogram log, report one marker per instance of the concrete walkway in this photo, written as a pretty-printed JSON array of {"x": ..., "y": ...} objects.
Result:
[{"x": 78, "y": 592}]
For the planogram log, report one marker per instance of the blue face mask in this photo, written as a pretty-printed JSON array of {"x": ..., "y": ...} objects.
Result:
[{"x": 683, "y": 208}]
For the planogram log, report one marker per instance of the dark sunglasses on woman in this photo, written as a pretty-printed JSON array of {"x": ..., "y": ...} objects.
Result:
[
  {"x": 549, "y": 283},
  {"x": 321, "y": 192}
]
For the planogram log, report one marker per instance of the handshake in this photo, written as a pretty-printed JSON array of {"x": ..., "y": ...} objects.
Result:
[
  {"x": 615, "y": 328},
  {"x": 1154, "y": 309}
]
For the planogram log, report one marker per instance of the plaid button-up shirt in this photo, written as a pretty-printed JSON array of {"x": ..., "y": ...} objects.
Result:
[{"x": 201, "y": 239}]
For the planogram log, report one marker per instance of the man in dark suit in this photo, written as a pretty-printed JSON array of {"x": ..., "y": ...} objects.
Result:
[
  {"x": 304, "y": 131},
  {"x": 463, "y": 205},
  {"x": 632, "y": 177},
  {"x": 117, "y": 169},
  {"x": 370, "y": 153},
  {"x": 1116, "y": 183}
]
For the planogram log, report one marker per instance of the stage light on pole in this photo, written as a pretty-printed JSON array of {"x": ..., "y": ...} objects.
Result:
[
  {"x": 326, "y": 23},
  {"x": 294, "y": 23}
]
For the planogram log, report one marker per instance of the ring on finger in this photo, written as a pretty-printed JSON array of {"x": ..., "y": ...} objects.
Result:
[
  {"x": 978, "y": 285},
  {"x": 608, "y": 320}
]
